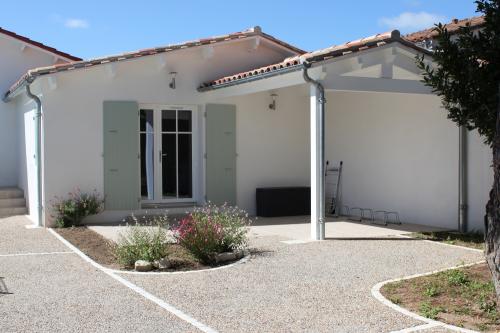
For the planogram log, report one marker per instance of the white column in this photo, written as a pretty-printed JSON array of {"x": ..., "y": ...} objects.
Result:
[{"x": 315, "y": 167}]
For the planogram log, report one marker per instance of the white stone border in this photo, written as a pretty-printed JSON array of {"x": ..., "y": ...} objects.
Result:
[
  {"x": 378, "y": 295},
  {"x": 170, "y": 308},
  {"x": 34, "y": 254}
]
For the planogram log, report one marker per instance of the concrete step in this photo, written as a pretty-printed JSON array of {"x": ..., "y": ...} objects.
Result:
[
  {"x": 5, "y": 212},
  {"x": 10, "y": 193},
  {"x": 12, "y": 203}
]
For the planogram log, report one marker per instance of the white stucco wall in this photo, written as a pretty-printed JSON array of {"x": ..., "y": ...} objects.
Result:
[
  {"x": 14, "y": 62},
  {"x": 400, "y": 153},
  {"x": 479, "y": 179},
  {"x": 272, "y": 145},
  {"x": 27, "y": 180}
]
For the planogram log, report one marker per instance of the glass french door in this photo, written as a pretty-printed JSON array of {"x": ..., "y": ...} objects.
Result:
[{"x": 166, "y": 158}]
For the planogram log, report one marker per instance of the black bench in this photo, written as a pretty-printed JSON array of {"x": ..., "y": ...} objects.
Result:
[{"x": 283, "y": 201}]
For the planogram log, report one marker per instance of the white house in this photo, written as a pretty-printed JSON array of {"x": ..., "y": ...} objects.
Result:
[{"x": 175, "y": 126}]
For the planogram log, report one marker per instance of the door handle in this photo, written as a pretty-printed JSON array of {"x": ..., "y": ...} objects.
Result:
[{"x": 161, "y": 155}]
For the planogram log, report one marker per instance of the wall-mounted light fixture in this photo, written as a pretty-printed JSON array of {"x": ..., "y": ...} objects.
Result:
[
  {"x": 172, "y": 80},
  {"x": 272, "y": 106}
]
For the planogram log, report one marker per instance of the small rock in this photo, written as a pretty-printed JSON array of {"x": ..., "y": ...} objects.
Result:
[
  {"x": 164, "y": 263},
  {"x": 239, "y": 254},
  {"x": 225, "y": 256},
  {"x": 143, "y": 266}
]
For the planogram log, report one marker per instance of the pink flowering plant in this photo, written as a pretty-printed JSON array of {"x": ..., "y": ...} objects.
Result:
[
  {"x": 212, "y": 229},
  {"x": 70, "y": 211}
]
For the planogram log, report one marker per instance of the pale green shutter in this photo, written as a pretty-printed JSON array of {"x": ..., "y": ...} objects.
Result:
[
  {"x": 121, "y": 153},
  {"x": 221, "y": 153}
]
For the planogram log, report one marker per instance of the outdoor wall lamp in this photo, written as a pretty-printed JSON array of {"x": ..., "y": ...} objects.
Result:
[
  {"x": 172, "y": 80},
  {"x": 272, "y": 106}
]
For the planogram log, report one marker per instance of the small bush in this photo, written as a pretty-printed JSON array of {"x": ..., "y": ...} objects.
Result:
[
  {"x": 429, "y": 311},
  {"x": 71, "y": 211},
  {"x": 143, "y": 242},
  {"x": 457, "y": 277},
  {"x": 431, "y": 291},
  {"x": 211, "y": 229}
]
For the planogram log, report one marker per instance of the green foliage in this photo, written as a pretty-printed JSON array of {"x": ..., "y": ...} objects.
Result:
[
  {"x": 431, "y": 291},
  {"x": 467, "y": 75},
  {"x": 457, "y": 277},
  {"x": 211, "y": 230},
  {"x": 71, "y": 211},
  {"x": 143, "y": 242},
  {"x": 429, "y": 311}
]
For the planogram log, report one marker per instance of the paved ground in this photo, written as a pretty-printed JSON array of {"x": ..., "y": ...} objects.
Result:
[
  {"x": 62, "y": 293},
  {"x": 298, "y": 228},
  {"x": 307, "y": 287}
]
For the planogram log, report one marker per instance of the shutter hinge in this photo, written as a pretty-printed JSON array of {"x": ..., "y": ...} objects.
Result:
[
  {"x": 205, "y": 155},
  {"x": 205, "y": 114}
]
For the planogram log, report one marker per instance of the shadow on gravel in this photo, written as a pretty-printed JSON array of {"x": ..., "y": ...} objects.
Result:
[
  {"x": 372, "y": 238},
  {"x": 3, "y": 288},
  {"x": 261, "y": 252}
]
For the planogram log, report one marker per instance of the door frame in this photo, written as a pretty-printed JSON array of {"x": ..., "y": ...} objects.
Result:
[{"x": 158, "y": 196}]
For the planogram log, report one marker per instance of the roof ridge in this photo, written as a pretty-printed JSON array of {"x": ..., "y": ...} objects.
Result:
[{"x": 452, "y": 26}]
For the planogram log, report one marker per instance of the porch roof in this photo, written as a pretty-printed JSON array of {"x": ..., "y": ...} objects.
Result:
[{"x": 295, "y": 63}]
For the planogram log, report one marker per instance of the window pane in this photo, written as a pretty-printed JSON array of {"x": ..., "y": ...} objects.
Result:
[
  {"x": 185, "y": 166},
  {"x": 147, "y": 165},
  {"x": 169, "y": 168},
  {"x": 146, "y": 120},
  {"x": 168, "y": 121},
  {"x": 184, "y": 121}
]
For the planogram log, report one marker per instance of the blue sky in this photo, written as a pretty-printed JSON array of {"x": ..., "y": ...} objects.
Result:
[{"x": 97, "y": 28}]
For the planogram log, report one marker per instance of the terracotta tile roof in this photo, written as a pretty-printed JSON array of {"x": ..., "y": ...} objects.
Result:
[
  {"x": 452, "y": 27},
  {"x": 294, "y": 63},
  {"x": 26, "y": 40},
  {"x": 252, "y": 32}
]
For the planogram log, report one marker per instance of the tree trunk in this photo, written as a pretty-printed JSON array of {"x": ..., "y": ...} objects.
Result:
[{"x": 492, "y": 219}]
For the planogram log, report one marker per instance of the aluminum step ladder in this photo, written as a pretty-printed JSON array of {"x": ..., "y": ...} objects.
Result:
[{"x": 333, "y": 177}]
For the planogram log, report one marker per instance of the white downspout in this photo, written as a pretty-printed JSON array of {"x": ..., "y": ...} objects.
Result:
[
  {"x": 317, "y": 156},
  {"x": 38, "y": 153},
  {"x": 462, "y": 179}
]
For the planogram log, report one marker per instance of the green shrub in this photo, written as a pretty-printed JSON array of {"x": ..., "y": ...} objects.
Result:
[
  {"x": 143, "y": 242},
  {"x": 429, "y": 311},
  {"x": 457, "y": 277},
  {"x": 431, "y": 291},
  {"x": 71, "y": 211},
  {"x": 213, "y": 229}
]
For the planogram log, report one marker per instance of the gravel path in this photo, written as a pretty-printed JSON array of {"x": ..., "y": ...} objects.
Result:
[
  {"x": 62, "y": 293},
  {"x": 311, "y": 287},
  {"x": 308, "y": 287}
]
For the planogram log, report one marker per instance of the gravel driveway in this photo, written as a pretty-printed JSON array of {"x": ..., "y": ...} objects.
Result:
[{"x": 309, "y": 287}]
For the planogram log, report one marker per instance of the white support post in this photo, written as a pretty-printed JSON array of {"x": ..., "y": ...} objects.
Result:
[{"x": 315, "y": 163}]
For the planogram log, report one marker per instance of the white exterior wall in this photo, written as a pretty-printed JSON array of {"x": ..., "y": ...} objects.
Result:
[
  {"x": 272, "y": 145},
  {"x": 479, "y": 180},
  {"x": 27, "y": 172},
  {"x": 72, "y": 120},
  {"x": 14, "y": 62},
  {"x": 400, "y": 153}
]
